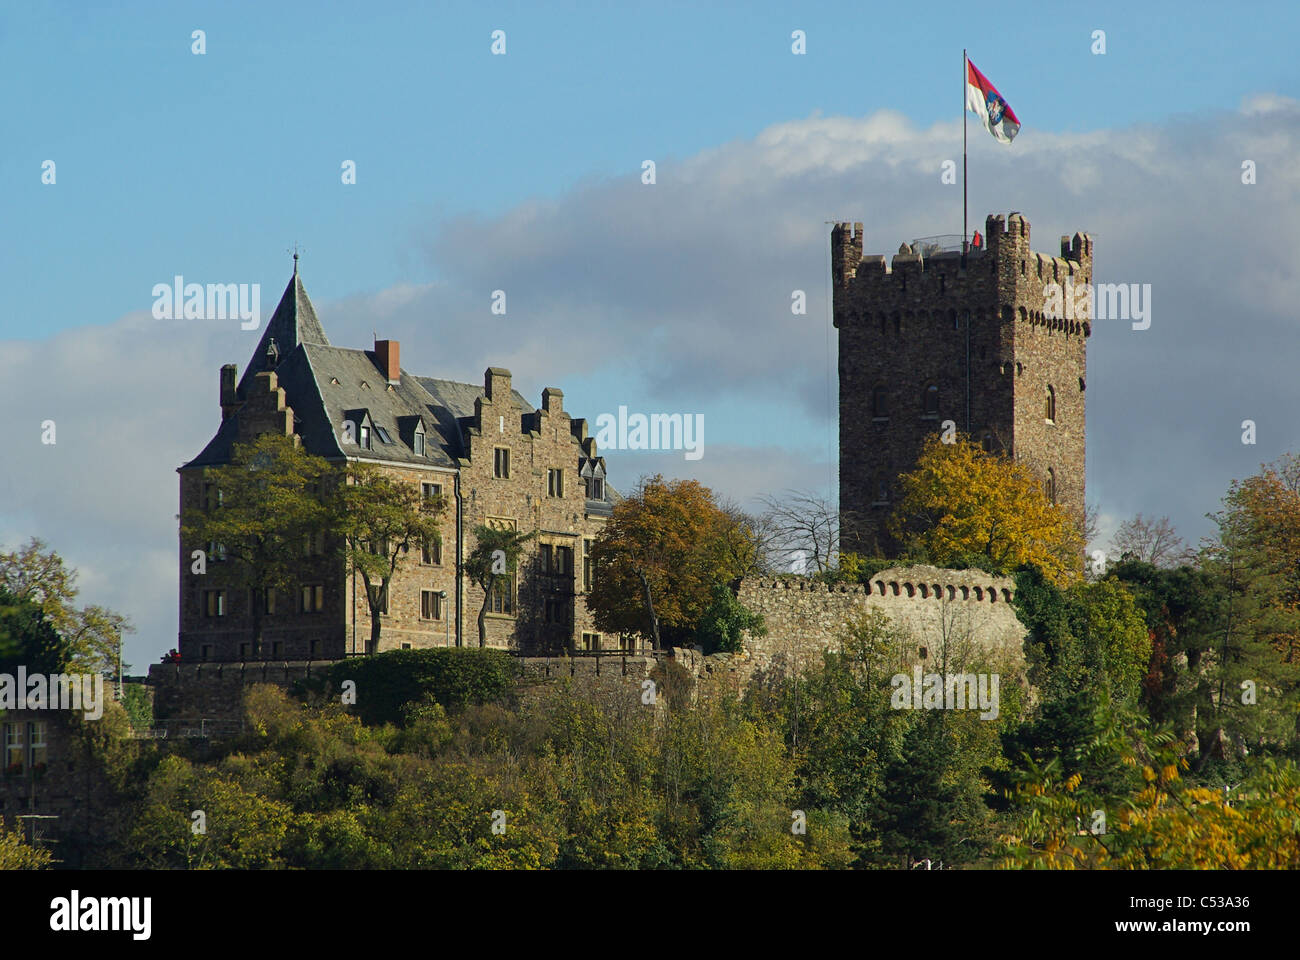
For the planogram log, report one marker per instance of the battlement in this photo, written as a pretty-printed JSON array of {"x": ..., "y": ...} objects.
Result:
[
  {"x": 1006, "y": 242},
  {"x": 905, "y": 583}
]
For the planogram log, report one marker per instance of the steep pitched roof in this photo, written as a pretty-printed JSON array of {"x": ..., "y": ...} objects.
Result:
[{"x": 293, "y": 322}]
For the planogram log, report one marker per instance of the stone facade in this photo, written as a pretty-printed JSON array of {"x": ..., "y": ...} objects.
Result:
[
  {"x": 926, "y": 340},
  {"x": 493, "y": 458},
  {"x": 932, "y": 606}
]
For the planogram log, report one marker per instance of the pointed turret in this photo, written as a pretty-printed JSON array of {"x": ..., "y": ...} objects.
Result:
[{"x": 293, "y": 322}]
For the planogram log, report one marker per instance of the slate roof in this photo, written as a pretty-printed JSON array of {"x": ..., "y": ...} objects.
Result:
[
  {"x": 324, "y": 385},
  {"x": 293, "y": 322}
]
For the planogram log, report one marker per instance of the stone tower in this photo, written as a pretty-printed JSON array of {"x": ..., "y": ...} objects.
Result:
[{"x": 924, "y": 341}]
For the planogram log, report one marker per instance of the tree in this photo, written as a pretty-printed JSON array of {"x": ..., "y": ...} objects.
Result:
[
  {"x": 659, "y": 557},
  {"x": 17, "y": 854},
  {"x": 258, "y": 512},
  {"x": 494, "y": 558},
  {"x": 962, "y": 502},
  {"x": 1150, "y": 541},
  {"x": 93, "y": 633},
  {"x": 29, "y": 639},
  {"x": 381, "y": 518},
  {"x": 802, "y": 523},
  {"x": 725, "y": 620}
]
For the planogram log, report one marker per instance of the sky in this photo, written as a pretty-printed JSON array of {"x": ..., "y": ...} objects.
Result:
[{"x": 522, "y": 172}]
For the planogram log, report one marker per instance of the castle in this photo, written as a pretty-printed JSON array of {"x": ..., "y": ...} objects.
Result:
[
  {"x": 495, "y": 460},
  {"x": 940, "y": 338}
]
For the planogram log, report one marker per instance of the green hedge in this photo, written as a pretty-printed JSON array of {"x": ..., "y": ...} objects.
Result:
[{"x": 455, "y": 678}]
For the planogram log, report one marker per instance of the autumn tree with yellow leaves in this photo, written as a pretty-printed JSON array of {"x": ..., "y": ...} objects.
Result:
[{"x": 962, "y": 504}]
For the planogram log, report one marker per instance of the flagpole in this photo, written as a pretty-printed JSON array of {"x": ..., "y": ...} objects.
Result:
[{"x": 965, "y": 79}]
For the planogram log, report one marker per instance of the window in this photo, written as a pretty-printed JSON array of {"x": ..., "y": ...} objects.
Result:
[
  {"x": 364, "y": 439},
  {"x": 406, "y": 646},
  {"x": 930, "y": 401},
  {"x": 431, "y": 490},
  {"x": 627, "y": 643},
  {"x": 418, "y": 445},
  {"x": 14, "y": 748},
  {"x": 1049, "y": 488},
  {"x": 544, "y": 557},
  {"x": 591, "y": 641},
  {"x": 211, "y": 497},
  {"x": 586, "y": 565},
  {"x": 431, "y": 551},
  {"x": 383, "y": 435},
  {"x": 243, "y": 651},
  {"x": 268, "y": 601},
  {"x": 564, "y": 561},
  {"x": 277, "y": 648},
  {"x": 556, "y": 610},
  {"x": 312, "y": 597},
  {"x": 214, "y": 603},
  {"x": 501, "y": 463},
  {"x": 205, "y": 652},
  {"x": 430, "y": 605},
  {"x": 383, "y": 598},
  {"x": 503, "y": 597},
  {"x": 313, "y": 544},
  {"x": 554, "y": 483},
  {"x": 216, "y": 551},
  {"x": 880, "y": 403},
  {"x": 315, "y": 646},
  {"x": 882, "y": 488},
  {"x": 597, "y": 489},
  {"x": 1050, "y": 408}
]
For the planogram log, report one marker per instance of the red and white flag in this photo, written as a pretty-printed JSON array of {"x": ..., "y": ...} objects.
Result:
[{"x": 983, "y": 100}]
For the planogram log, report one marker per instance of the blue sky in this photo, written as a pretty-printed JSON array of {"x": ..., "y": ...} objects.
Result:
[
  {"x": 522, "y": 172},
  {"x": 214, "y": 165}
]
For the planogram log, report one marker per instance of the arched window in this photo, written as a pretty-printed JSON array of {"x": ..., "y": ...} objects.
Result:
[
  {"x": 1049, "y": 488},
  {"x": 880, "y": 402},
  {"x": 930, "y": 401},
  {"x": 1050, "y": 410}
]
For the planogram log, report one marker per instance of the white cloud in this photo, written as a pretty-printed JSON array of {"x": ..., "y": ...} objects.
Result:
[{"x": 677, "y": 295}]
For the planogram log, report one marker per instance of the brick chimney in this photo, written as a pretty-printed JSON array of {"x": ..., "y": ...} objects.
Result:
[
  {"x": 553, "y": 400},
  {"x": 387, "y": 356}
]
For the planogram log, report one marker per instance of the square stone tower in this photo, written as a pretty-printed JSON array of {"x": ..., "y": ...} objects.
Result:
[{"x": 925, "y": 341}]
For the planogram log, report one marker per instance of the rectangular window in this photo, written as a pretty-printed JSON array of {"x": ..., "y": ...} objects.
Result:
[
  {"x": 597, "y": 488},
  {"x": 419, "y": 445},
  {"x": 14, "y": 748},
  {"x": 586, "y": 564},
  {"x": 431, "y": 551},
  {"x": 431, "y": 490},
  {"x": 315, "y": 647},
  {"x": 277, "y": 648},
  {"x": 243, "y": 651},
  {"x": 430, "y": 605},
  {"x": 205, "y": 652},
  {"x": 554, "y": 483},
  {"x": 365, "y": 437},
  {"x": 564, "y": 561},
  {"x": 406, "y": 646},
  {"x": 503, "y": 597},
  {"x": 216, "y": 551},
  {"x": 501, "y": 463},
  {"x": 591, "y": 641},
  {"x": 312, "y": 597},
  {"x": 544, "y": 552},
  {"x": 211, "y": 497},
  {"x": 555, "y": 610},
  {"x": 214, "y": 603},
  {"x": 268, "y": 601}
]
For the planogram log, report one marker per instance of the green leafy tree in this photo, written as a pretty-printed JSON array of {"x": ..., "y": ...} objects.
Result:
[
  {"x": 494, "y": 559},
  {"x": 93, "y": 633},
  {"x": 382, "y": 518},
  {"x": 264, "y": 506},
  {"x": 724, "y": 623}
]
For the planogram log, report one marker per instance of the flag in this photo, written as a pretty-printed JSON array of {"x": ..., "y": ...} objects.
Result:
[{"x": 983, "y": 100}]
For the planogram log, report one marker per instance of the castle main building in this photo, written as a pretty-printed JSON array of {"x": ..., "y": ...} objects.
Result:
[
  {"x": 924, "y": 340},
  {"x": 495, "y": 459}
]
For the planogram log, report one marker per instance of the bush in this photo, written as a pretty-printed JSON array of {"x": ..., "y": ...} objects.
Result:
[{"x": 454, "y": 678}]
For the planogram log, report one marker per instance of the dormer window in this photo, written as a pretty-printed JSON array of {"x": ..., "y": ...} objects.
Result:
[
  {"x": 597, "y": 489},
  {"x": 363, "y": 437},
  {"x": 418, "y": 445}
]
